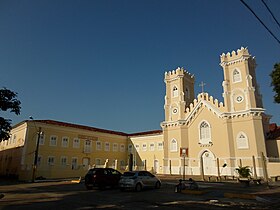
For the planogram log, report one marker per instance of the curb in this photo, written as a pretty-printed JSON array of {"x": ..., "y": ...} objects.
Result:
[
  {"x": 194, "y": 192},
  {"x": 238, "y": 195}
]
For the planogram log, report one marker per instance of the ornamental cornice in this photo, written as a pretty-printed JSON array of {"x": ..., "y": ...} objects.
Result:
[
  {"x": 231, "y": 62},
  {"x": 166, "y": 124},
  {"x": 255, "y": 112},
  {"x": 246, "y": 113},
  {"x": 173, "y": 79}
]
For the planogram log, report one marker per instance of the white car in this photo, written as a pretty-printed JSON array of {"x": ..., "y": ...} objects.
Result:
[{"x": 137, "y": 180}]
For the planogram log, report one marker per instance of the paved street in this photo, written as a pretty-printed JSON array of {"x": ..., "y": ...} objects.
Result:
[{"x": 69, "y": 195}]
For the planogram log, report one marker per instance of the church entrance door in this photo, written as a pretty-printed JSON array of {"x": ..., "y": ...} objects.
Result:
[{"x": 209, "y": 166}]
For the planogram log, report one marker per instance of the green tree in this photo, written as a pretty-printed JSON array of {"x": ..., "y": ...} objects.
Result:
[
  {"x": 275, "y": 77},
  {"x": 244, "y": 172},
  {"x": 8, "y": 101}
]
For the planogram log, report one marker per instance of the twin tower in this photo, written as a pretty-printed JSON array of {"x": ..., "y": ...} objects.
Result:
[{"x": 240, "y": 87}]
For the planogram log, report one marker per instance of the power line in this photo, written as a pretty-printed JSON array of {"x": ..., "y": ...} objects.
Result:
[
  {"x": 246, "y": 5},
  {"x": 271, "y": 13}
]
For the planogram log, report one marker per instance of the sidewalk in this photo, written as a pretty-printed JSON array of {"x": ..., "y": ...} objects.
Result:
[{"x": 229, "y": 189}]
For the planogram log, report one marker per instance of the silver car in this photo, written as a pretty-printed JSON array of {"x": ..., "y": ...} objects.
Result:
[{"x": 137, "y": 180}]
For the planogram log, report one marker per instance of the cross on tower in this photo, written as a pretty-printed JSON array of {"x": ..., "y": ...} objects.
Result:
[{"x": 202, "y": 84}]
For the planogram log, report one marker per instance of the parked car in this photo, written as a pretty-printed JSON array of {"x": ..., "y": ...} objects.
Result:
[
  {"x": 137, "y": 180},
  {"x": 102, "y": 177}
]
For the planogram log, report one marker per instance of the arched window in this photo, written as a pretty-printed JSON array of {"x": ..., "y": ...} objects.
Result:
[
  {"x": 175, "y": 91},
  {"x": 204, "y": 133},
  {"x": 236, "y": 75},
  {"x": 242, "y": 141},
  {"x": 173, "y": 145}
]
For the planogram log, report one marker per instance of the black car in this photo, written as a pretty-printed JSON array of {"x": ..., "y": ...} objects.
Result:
[{"x": 102, "y": 177}]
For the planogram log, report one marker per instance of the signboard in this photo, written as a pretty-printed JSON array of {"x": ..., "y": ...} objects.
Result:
[
  {"x": 184, "y": 152},
  {"x": 93, "y": 138}
]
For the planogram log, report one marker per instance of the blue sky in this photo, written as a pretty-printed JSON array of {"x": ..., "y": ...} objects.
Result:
[{"x": 101, "y": 63}]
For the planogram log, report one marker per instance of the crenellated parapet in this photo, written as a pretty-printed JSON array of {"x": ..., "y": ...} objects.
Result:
[
  {"x": 179, "y": 72},
  {"x": 214, "y": 103},
  {"x": 235, "y": 56}
]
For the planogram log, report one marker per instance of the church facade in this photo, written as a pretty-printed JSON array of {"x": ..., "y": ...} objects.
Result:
[
  {"x": 200, "y": 135},
  {"x": 216, "y": 134}
]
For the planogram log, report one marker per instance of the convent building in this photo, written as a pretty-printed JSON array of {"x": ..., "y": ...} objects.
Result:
[{"x": 200, "y": 136}]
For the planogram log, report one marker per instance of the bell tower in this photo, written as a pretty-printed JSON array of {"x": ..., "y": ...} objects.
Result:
[
  {"x": 241, "y": 90},
  {"x": 179, "y": 93}
]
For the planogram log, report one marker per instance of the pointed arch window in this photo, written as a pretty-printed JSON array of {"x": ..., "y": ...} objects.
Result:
[
  {"x": 204, "y": 133},
  {"x": 236, "y": 75},
  {"x": 242, "y": 141},
  {"x": 175, "y": 91},
  {"x": 173, "y": 145}
]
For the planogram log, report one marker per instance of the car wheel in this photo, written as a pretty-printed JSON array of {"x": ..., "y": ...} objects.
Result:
[
  {"x": 157, "y": 186},
  {"x": 138, "y": 187}
]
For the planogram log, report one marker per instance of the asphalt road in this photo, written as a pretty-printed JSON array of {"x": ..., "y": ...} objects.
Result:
[{"x": 67, "y": 195}]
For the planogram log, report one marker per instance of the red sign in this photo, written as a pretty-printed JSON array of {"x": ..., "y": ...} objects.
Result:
[{"x": 184, "y": 152}]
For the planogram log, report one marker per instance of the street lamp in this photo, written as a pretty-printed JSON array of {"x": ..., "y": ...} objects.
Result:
[
  {"x": 39, "y": 133},
  {"x": 184, "y": 153}
]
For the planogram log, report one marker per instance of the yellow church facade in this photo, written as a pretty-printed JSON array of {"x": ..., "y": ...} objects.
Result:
[{"x": 199, "y": 136}]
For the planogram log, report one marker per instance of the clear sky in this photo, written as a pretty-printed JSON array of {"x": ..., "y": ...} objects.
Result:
[{"x": 101, "y": 63}]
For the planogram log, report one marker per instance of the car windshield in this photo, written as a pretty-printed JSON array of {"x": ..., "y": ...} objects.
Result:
[{"x": 129, "y": 174}]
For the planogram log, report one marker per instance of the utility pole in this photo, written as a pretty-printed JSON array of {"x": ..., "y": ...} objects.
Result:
[{"x": 36, "y": 155}]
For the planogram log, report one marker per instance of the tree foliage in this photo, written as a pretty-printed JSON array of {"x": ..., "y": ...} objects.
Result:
[
  {"x": 243, "y": 172},
  {"x": 275, "y": 77},
  {"x": 8, "y": 101}
]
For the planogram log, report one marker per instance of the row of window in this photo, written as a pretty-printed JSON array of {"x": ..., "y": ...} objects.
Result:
[
  {"x": 65, "y": 142},
  {"x": 12, "y": 140},
  {"x": 63, "y": 161},
  {"x": 144, "y": 147}
]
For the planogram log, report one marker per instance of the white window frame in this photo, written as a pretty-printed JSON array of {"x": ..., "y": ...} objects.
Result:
[
  {"x": 63, "y": 143},
  {"x": 144, "y": 147},
  {"x": 137, "y": 147},
  {"x": 76, "y": 143},
  {"x": 51, "y": 160},
  {"x": 87, "y": 146},
  {"x": 160, "y": 147},
  {"x": 173, "y": 145},
  {"x": 14, "y": 139},
  {"x": 52, "y": 140},
  {"x": 152, "y": 146},
  {"x": 130, "y": 148},
  {"x": 74, "y": 163},
  {"x": 107, "y": 146},
  {"x": 42, "y": 139},
  {"x": 97, "y": 161},
  {"x": 175, "y": 91},
  {"x": 236, "y": 76},
  {"x": 115, "y": 147},
  {"x": 122, "y": 148},
  {"x": 98, "y": 145},
  {"x": 204, "y": 130},
  {"x": 242, "y": 141},
  {"x": 63, "y": 160}
]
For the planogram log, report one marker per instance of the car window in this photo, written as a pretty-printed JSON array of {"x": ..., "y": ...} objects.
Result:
[
  {"x": 114, "y": 172},
  {"x": 148, "y": 174},
  {"x": 128, "y": 174},
  {"x": 141, "y": 173}
]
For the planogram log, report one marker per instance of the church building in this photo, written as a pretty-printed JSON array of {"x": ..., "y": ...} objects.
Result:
[{"x": 200, "y": 135}]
